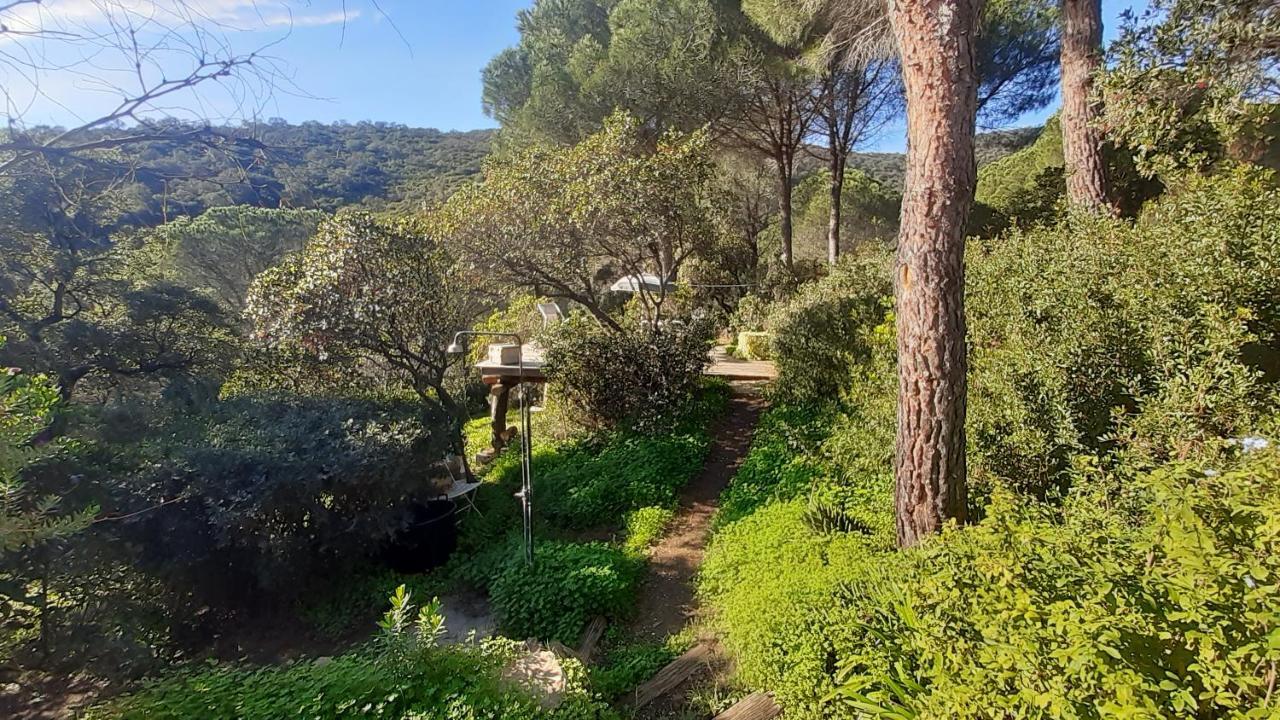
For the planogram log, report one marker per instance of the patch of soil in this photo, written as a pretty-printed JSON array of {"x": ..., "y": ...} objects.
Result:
[
  {"x": 466, "y": 613},
  {"x": 667, "y": 602}
]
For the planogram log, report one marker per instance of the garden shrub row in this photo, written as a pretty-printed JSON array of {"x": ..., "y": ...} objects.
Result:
[{"x": 1123, "y": 417}]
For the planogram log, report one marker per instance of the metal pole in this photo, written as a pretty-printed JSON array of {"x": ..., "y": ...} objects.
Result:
[{"x": 526, "y": 441}]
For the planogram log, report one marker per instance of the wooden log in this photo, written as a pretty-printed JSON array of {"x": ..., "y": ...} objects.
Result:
[
  {"x": 756, "y": 706},
  {"x": 590, "y": 636},
  {"x": 671, "y": 676}
]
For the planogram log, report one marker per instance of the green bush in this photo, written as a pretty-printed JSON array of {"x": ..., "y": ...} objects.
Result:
[
  {"x": 1125, "y": 563},
  {"x": 634, "y": 376},
  {"x": 624, "y": 667},
  {"x": 816, "y": 334},
  {"x": 750, "y": 315},
  {"x": 594, "y": 482},
  {"x": 645, "y": 526},
  {"x": 1146, "y": 339},
  {"x": 566, "y": 586},
  {"x": 1032, "y": 615},
  {"x": 257, "y": 501}
]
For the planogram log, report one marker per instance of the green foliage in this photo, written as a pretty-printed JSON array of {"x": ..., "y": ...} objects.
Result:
[
  {"x": 79, "y": 305},
  {"x": 1119, "y": 370},
  {"x": 1149, "y": 338},
  {"x": 335, "y": 611},
  {"x": 783, "y": 462},
  {"x": 26, "y": 406},
  {"x": 260, "y": 499},
  {"x": 601, "y": 478},
  {"x": 644, "y": 527},
  {"x": 869, "y": 213},
  {"x": 221, "y": 251},
  {"x": 1026, "y": 184},
  {"x": 578, "y": 61},
  {"x": 812, "y": 331},
  {"x": 567, "y": 585},
  {"x": 1193, "y": 82},
  {"x": 369, "y": 290},
  {"x": 627, "y": 665},
  {"x": 632, "y": 377},
  {"x": 1026, "y": 615},
  {"x": 565, "y": 222},
  {"x": 402, "y": 675}
]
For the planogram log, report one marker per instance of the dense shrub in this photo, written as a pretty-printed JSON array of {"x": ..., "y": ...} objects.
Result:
[
  {"x": 260, "y": 499},
  {"x": 1103, "y": 336},
  {"x": 625, "y": 666},
  {"x": 1030, "y": 615},
  {"x": 816, "y": 334},
  {"x": 594, "y": 482},
  {"x": 566, "y": 586},
  {"x": 633, "y": 376},
  {"x": 645, "y": 526}
]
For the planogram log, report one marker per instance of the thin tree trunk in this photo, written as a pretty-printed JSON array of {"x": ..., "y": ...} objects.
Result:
[
  {"x": 833, "y": 217},
  {"x": 1086, "y": 169},
  {"x": 784, "y": 211},
  {"x": 936, "y": 38}
]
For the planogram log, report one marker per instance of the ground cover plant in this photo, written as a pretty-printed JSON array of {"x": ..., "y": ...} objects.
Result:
[{"x": 402, "y": 673}]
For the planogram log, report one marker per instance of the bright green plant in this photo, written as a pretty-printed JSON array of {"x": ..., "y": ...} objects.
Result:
[
  {"x": 566, "y": 586},
  {"x": 645, "y": 526},
  {"x": 627, "y": 665}
]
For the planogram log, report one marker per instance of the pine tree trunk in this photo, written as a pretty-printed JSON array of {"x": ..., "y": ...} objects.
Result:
[
  {"x": 1086, "y": 169},
  {"x": 833, "y": 218},
  {"x": 936, "y": 39},
  {"x": 784, "y": 213}
]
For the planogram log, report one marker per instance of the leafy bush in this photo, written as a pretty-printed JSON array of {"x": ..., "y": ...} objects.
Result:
[
  {"x": 1028, "y": 615},
  {"x": 815, "y": 333},
  {"x": 595, "y": 481},
  {"x": 396, "y": 677},
  {"x": 754, "y": 346},
  {"x": 644, "y": 527},
  {"x": 1103, "y": 336},
  {"x": 750, "y": 315},
  {"x": 261, "y": 499},
  {"x": 634, "y": 376},
  {"x": 566, "y": 586},
  {"x": 625, "y": 666}
]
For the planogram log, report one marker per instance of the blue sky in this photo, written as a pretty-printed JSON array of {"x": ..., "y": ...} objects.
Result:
[{"x": 415, "y": 62}]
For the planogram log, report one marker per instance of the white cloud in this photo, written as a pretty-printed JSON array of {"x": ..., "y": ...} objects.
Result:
[{"x": 235, "y": 14}]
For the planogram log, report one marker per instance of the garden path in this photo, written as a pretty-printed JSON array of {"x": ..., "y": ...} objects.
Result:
[{"x": 667, "y": 602}]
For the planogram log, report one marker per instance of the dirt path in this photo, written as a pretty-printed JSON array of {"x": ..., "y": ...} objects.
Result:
[{"x": 667, "y": 600}]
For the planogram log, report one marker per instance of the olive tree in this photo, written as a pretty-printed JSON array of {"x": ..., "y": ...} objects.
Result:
[
  {"x": 385, "y": 293},
  {"x": 564, "y": 222}
]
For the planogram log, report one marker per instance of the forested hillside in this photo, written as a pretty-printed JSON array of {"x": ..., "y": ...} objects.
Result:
[{"x": 307, "y": 165}]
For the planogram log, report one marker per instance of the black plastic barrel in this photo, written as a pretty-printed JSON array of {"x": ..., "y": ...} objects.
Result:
[{"x": 428, "y": 540}]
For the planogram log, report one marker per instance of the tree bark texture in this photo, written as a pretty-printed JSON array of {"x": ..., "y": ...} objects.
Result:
[
  {"x": 936, "y": 39},
  {"x": 1086, "y": 169}
]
